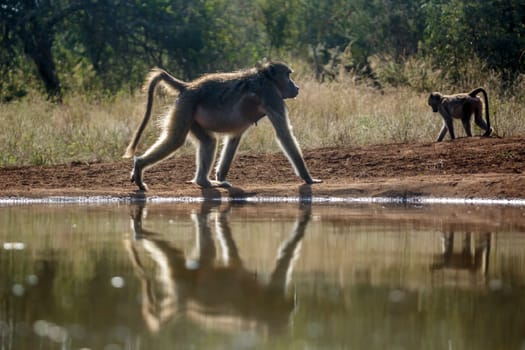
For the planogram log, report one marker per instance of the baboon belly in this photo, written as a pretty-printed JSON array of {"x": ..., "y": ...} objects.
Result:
[{"x": 223, "y": 121}]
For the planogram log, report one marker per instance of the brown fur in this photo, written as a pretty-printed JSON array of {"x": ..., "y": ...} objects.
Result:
[
  {"x": 220, "y": 103},
  {"x": 461, "y": 106}
]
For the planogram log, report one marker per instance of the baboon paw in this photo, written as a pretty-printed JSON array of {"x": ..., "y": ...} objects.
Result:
[
  {"x": 223, "y": 184},
  {"x": 141, "y": 185},
  {"x": 212, "y": 183},
  {"x": 314, "y": 181}
]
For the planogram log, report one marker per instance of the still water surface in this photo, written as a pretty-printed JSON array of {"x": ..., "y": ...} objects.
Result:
[{"x": 210, "y": 276}]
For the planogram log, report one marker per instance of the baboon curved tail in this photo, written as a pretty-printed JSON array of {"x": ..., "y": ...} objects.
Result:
[
  {"x": 154, "y": 77},
  {"x": 474, "y": 93}
]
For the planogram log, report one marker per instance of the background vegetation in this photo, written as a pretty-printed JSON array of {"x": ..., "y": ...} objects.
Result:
[{"x": 71, "y": 69}]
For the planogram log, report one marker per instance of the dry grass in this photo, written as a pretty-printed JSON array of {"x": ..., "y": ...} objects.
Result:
[
  {"x": 343, "y": 112},
  {"x": 38, "y": 132}
]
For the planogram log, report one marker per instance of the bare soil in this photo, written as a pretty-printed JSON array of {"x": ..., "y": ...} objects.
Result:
[{"x": 463, "y": 168}]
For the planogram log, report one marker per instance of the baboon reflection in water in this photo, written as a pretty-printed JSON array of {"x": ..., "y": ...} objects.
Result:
[
  {"x": 472, "y": 259},
  {"x": 225, "y": 296}
]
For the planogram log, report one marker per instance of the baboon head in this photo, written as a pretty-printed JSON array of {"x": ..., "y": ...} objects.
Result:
[
  {"x": 279, "y": 74},
  {"x": 434, "y": 101}
]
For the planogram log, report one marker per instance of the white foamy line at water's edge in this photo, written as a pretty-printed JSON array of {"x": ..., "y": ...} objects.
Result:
[{"x": 316, "y": 200}]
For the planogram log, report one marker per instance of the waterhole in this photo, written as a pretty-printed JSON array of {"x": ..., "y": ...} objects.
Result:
[{"x": 278, "y": 276}]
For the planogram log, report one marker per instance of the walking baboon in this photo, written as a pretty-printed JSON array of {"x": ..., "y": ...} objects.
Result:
[
  {"x": 224, "y": 103},
  {"x": 461, "y": 106}
]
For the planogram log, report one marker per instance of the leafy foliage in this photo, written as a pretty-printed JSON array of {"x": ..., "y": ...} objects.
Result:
[
  {"x": 493, "y": 31},
  {"x": 108, "y": 45}
]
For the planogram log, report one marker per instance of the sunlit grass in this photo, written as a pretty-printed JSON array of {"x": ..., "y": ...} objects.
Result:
[
  {"x": 344, "y": 112},
  {"x": 36, "y": 131},
  {"x": 337, "y": 113}
]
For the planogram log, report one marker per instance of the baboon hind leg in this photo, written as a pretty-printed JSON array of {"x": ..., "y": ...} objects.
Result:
[
  {"x": 227, "y": 154},
  {"x": 205, "y": 155},
  {"x": 478, "y": 119},
  {"x": 173, "y": 137}
]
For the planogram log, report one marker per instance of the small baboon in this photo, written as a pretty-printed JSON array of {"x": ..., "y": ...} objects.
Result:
[
  {"x": 473, "y": 257},
  {"x": 461, "y": 106},
  {"x": 220, "y": 103}
]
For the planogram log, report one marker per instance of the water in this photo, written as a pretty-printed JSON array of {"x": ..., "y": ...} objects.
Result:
[{"x": 262, "y": 276}]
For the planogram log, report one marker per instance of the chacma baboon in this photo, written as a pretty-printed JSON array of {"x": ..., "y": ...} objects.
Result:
[
  {"x": 223, "y": 103},
  {"x": 461, "y": 106}
]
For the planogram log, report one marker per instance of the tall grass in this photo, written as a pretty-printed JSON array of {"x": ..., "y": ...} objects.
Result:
[{"x": 343, "y": 112}]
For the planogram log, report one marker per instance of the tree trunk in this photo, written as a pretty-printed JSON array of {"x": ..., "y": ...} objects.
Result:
[{"x": 37, "y": 45}]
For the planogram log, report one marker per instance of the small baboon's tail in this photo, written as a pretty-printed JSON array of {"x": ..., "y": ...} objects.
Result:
[
  {"x": 474, "y": 93},
  {"x": 154, "y": 77}
]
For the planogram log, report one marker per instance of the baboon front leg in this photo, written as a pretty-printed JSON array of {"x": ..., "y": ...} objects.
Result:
[
  {"x": 287, "y": 141},
  {"x": 231, "y": 144},
  {"x": 291, "y": 149},
  {"x": 442, "y": 133},
  {"x": 448, "y": 124}
]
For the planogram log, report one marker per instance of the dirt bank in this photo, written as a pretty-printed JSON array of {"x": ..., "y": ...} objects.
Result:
[{"x": 464, "y": 168}]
